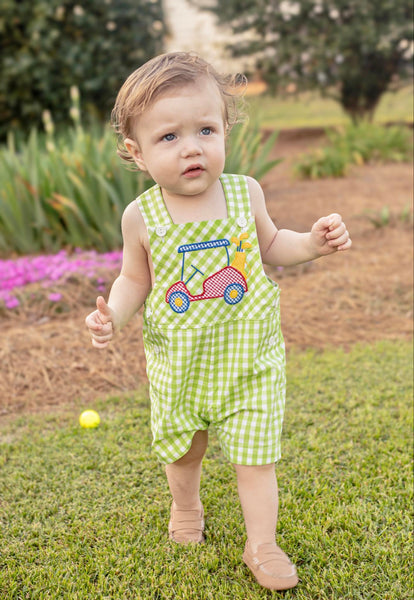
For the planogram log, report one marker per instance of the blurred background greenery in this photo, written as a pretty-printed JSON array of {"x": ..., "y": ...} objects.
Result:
[
  {"x": 48, "y": 46},
  {"x": 62, "y": 62}
]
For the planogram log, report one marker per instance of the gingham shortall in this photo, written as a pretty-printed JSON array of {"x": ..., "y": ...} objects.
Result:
[{"x": 214, "y": 348}]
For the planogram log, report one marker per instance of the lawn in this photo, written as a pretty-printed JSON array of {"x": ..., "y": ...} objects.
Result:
[
  {"x": 84, "y": 513},
  {"x": 309, "y": 109}
]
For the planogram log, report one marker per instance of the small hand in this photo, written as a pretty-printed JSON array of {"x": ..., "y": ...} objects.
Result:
[
  {"x": 329, "y": 234},
  {"x": 100, "y": 324}
]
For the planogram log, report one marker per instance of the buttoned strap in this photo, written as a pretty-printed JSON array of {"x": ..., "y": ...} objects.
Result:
[
  {"x": 155, "y": 213},
  {"x": 237, "y": 195},
  {"x": 153, "y": 209}
]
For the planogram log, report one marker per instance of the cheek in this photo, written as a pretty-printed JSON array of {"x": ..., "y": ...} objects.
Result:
[
  {"x": 221, "y": 154},
  {"x": 160, "y": 167}
]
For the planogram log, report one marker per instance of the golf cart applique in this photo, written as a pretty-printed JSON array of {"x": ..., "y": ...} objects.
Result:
[{"x": 228, "y": 283}]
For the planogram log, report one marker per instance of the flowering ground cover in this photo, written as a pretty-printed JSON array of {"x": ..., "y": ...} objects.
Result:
[{"x": 53, "y": 272}]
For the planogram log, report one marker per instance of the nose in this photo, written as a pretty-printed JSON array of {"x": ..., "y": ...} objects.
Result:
[{"x": 190, "y": 147}]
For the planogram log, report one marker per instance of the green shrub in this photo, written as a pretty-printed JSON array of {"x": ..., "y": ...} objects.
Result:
[
  {"x": 372, "y": 143},
  {"x": 248, "y": 153},
  {"x": 358, "y": 144},
  {"x": 50, "y": 45},
  {"x": 71, "y": 190},
  {"x": 324, "y": 162}
]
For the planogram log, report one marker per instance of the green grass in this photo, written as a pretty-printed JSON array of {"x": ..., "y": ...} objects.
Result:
[
  {"x": 309, "y": 109},
  {"x": 83, "y": 514}
]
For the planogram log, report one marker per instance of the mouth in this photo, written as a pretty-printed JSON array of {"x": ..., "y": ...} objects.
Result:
[{"x": 193, "y": 171}]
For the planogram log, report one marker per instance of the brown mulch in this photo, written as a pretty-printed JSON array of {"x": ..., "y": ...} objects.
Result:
[{"x": 365, "y": 295}]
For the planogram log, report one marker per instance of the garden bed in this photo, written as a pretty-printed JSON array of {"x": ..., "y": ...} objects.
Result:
[{"x": 364, "y": 295}]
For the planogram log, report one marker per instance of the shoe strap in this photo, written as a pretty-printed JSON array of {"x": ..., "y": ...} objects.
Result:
[
  {"x": 183, "y": 519},
  {"x": 272, "y": 554}
]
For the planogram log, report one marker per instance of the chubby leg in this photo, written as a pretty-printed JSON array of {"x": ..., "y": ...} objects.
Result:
[
  {"x": 259, "y": 499},
  {"x": 184, "y": 474},
  {"x": 187, "y": 516}
]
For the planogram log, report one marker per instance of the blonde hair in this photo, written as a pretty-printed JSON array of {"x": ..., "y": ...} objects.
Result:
[{"x": 161, "y": 74}]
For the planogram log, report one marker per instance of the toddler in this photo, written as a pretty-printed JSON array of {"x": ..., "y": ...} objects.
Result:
[{"x": 194, "y": 248}]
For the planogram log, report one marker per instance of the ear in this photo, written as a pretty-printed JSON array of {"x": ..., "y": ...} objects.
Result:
[{"x": 136, "y": 153}]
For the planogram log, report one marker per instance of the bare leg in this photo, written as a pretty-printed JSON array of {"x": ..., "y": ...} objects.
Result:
[
  {"x": 259, "y": 500},
  {"x": 184, "y": 474},
  {"x": 187, "y": 514}
]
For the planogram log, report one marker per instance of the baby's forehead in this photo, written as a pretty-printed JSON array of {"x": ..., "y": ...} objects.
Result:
[
  {"x": 181, "y": 88},
  {"x": 204, "y": 87}
]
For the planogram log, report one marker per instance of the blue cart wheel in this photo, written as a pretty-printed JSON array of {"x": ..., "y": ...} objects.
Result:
[
  {"x": 179, "y": 302},
  {"x": 233, "y": 293}
]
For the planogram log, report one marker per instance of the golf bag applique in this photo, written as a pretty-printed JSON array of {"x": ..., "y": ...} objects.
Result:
[{"x": 229, "y": 282}]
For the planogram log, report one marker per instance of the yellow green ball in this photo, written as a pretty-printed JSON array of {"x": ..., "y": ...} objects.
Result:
[{"x": 89, "y": 419}]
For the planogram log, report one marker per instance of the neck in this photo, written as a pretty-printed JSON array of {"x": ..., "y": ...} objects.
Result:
[{"x": 209, "y": 205}]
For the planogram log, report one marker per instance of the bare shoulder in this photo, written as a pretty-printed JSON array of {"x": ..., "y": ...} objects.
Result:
[
  {"x": 132, "y": 215},
  {"x": 133, "y": 224},
  {"x": 136, "y": 250},
  {"x": 257, "y": 199}
]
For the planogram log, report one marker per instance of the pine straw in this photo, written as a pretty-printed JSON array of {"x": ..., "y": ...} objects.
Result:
[{"x": 365, "y": 295}]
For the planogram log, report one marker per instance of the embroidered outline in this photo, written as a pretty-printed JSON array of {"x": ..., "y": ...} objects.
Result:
[{"x": 228, "y": 283}]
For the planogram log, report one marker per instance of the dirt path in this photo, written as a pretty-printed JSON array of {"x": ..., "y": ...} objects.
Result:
[{"x": 361, "y": 296}]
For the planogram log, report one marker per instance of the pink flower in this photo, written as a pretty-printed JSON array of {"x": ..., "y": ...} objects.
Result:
[
  {"x": 55, "y": 297},
  {"x": 52, "y": 270},
  {"x": 11, "y": 302}
]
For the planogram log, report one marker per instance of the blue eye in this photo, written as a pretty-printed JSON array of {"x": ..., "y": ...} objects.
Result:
[
  {"x": 169, "y": 137},
  {"x": 206, "y": 131}
]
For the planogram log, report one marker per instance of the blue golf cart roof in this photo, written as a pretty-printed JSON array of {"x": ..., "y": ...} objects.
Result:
[{"x": 203, "y": 245}]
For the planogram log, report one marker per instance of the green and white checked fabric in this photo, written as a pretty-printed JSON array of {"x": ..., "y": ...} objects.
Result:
[{"x": 217, "y": 355}]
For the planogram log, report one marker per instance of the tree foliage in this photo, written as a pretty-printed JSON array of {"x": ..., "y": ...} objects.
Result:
[
  {"x": 351, "y": 48},
  {"x": 47, "y": 46}
]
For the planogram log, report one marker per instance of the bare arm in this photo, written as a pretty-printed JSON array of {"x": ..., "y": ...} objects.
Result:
[
  {"x": 285, "y": 247},
  {"x": 130, "y": 288}
]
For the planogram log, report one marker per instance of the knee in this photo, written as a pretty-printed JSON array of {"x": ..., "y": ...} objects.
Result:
[{"x": 253, "y": 471}]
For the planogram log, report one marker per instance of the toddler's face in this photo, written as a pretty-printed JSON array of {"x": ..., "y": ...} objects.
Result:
[{"x": 180, "y": 139}]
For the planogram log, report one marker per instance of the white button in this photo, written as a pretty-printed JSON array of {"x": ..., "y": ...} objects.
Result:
[
  {"x": 161, "y": 231},
  {"x": 242, "y": 221},
  {"x": 272, "y": 341},
  {"x": 149, "y": 312}
]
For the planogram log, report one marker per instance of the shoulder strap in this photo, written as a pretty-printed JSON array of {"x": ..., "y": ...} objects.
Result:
[
  {"x": 153, "y": 209},
  {"x": 236, "y": 191},
  {"x": 237, "y": 195}
]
